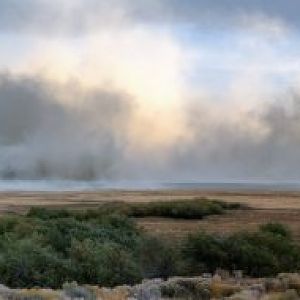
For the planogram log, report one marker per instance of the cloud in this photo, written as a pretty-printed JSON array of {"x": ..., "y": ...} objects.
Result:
[
  {"x": 42, "y": 135},
  {"x": 149, "y": 89},
  {"x": 225, "y": 13},
  {"x": 261, "y": 144},
  {"x": 45, "y": 135},
  {"x": 82, "y": 16},
  {"x": 57, "y": 17}
]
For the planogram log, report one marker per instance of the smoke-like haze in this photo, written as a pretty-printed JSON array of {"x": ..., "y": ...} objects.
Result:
[
  {"x": 151, "y": 90},
  {"x": 42, "y": 137},
  {"x": 44, "y": 133}
]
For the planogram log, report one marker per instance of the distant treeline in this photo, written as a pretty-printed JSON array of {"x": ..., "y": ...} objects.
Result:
[{"x": 104, "y": 246}]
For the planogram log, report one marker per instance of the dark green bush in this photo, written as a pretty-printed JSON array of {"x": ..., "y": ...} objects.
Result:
[
  {"x": 8, "y": 223},
  {"x": 25, "y": 263},
  {"x": 253, "y": 259},
  {"x": 60, "y": 233},
  {"x": 263, "y": 253},
  {"x": 158, "y": 258},
  {"x": 104, "y": 246},
  {"x": 47, "y": 214},
  {"x": 276, "y": 228},
  {"x": 184, "y": 209},
  {"x": 47, "y": 248},
  {"x": 203, "y": 253},
  {"x": 107, "y": 263}
]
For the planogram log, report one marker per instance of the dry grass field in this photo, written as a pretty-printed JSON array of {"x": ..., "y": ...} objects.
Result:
[{"x": 266, "y": 206}]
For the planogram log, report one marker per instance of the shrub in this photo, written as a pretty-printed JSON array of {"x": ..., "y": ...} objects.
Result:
[
  {"x": 281, "y": 252},
  {"x": 203, "y": 253},
  {"x": 184, "y": 209},
  {"x": 157, "y": 258},
  {"x": 39, "y": 250},
  {"x": 189, "y": 209},
  {"x": 262, "y": 253},
  {"x": 106, "y": 264},
  {"x": 254, "y": 259},
  {"x": 8, "y": 223},
  {"x": 59, "y": 233},
  {"x": 276, "y": 228},
  {"x": 25, "y": 263},
  {"x": 47, "y": 248},
  {"x": 47, "y": 214}
]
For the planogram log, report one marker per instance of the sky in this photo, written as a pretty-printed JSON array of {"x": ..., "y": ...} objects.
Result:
[{"x": 193, "y": 90}]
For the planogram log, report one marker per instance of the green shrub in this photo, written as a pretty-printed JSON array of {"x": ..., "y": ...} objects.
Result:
[
  {"x": 106, "y": 264},
  {"x": 39, "y": 249},
  {"x": 203, "y": 253},
  {"x": 47, "y": 214},
  {"x": 8, "y": 223},
  {"x": 158, "y": 258},
  {"x": 190, "y": 209},
  {"x": 184, "y": 209},
  {"x": 263, "y": 253},
  {"x": 104, "y": 246},
  {"x": 59, "y": 233},
  {"x": 25, "y": 263},
  {"x": 245, "y": 254},
  {"x": 276, "y": 228}
]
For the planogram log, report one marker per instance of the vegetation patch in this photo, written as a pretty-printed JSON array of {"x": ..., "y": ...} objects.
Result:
[
  {"x": 181, "y": 209},
  {"x": 104, "y": 247},
  {"x": 268, "y": 251}
]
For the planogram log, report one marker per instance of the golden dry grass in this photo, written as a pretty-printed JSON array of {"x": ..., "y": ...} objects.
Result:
[{"x": 266, "y": 206}]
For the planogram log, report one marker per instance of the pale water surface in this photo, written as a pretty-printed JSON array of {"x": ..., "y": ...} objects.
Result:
[{"x": 71, "y": 185}]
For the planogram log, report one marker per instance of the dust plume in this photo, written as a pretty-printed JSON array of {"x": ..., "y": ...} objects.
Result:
[
  {"x": 42, "y": 137},
  {"x": 149, "y": 90}
]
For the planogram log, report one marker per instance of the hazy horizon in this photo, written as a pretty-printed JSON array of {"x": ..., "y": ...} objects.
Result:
[{"x": 150, "y": 91}]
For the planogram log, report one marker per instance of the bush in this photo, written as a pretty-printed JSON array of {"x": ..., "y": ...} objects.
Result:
[
  {"x": 263, "y": 253},
  {"x": 203, "y": 253},
  {"x": 47, "y": 214},
  {"x": 246, "y": 255},
  {"x": 157, "y": 258},
  {"x": 25, "y": 263},
  {"x": 276, "y": 228},
  {"x": 106, "y": 264},
  {"x": 8, "y": 223},
  {"x": 59, "y": 233},
  {"x": 184, "y": 209},
  {"x": 46, "y": 248}
]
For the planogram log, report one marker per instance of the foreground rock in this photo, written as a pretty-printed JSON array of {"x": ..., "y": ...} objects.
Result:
[{"x": 283, "y": 287}]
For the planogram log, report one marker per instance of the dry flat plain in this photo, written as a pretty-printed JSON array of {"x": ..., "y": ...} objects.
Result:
[{"x": 280, "y": 206}]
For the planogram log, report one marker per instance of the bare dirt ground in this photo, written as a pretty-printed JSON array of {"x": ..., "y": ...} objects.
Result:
[{"x": 266, "y": 206}]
